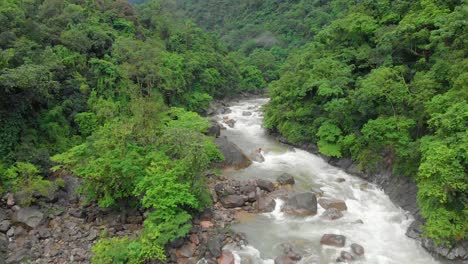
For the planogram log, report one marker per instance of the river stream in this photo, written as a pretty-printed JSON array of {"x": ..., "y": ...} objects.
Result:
[{"x": 383, "y": 226}]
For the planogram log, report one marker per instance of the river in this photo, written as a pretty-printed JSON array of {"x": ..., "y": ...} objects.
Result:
[{"x": 383, "y": 227}]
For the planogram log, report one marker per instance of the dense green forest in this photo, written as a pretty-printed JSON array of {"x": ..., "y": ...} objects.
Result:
[
  {"x": 383, "y": 82},
  {"x": 111, "y": 94}
]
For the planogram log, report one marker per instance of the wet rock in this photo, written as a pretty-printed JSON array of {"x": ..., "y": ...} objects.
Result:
[
  {"x": 340, "y": 179},
  {"x": 359, "y": 221},
  {"x": 5, "y": 225},
  {"x": 332, "y": 214},
  {"x": 232, "y": 201},
  {"x": 285, "y": 178},
  {"x": 233, "y": 155},
  {"x": 333, "y": 240},
  {"x": 357, "y": 249},
  {"x": 229, "y": 122},
  {"x": 246, "y": 113},
  {"x": 30, "y": 217},
  {"x": 265, "y": 204},
  {"x": 327, "y": 203},
  {"x": 225, "y": 110},
  {"x": 345, "y": 257},
  {"x": 302, "y": 204},
  {"x": 289, "y": 256},
  {"x": 265, "y": 185},
  {"x": 226, "y": 258},
  {"x": 256, "y": 156}
]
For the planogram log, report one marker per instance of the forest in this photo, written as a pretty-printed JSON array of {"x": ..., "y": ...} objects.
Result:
[{"x": 115, "y": 93}]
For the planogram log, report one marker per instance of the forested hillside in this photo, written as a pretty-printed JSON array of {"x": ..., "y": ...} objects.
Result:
[
  {"x": 382, "y": 82},
  {"x": 111, "y": 94}
]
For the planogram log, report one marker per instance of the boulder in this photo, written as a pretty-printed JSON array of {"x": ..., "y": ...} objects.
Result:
[
  {"x": 233, "y": 155},
  {"x": 229, "y": 122},
  {"x": 357, "y": 249},
  {"x": 186, "y": 251},
  {"x": 232, "y": 201},
  {"x": 302, "y": 204},
  {"x": 285, "y": 178},
  {"x": 5, "y": 225},
  {"x": 246, "y": 113},
  {"x": 327, "y": 203},
  {"x": 340, "y": 179},
  {"x": 333, "y": 240},
  {"x": 265, "y": 204},
  {"x": 332, "y": 214},
  {"x": 265, "y": 185},
  {"x": 345, "y": 257},
  {"x": 29, "y": 216},
  {"x": 214, "y": 246},
  {"x": 10, "y": 199},
  {"x": 226, "y": 258},
  {"x": 289, "y": 256}
]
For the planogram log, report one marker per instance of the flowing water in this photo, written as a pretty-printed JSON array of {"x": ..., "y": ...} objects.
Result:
[{"x": 382, "y": 232}]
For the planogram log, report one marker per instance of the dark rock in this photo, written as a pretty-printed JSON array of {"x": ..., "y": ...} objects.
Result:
[
  {"x": 214, "y": 130},
  {"x": 265, "y": 185},
  {"x": 248, "y": 188},
  {"x": 289, "y": 256},
  {"x": 340, "y": 179},
  {"x": 357, "y": 249},
  {"x": 333, "y": 240},
  {"x": 265, "y": 204},
  {"x": 229, "y": 122},
  {"x": 5, "y": 225},
  {"x": 77, "y": 212},
  {"x": 332, "y": 214},
  {"x": 215, "y": 245},
  {"x": 302, "y": 204},
  {"x": 226, "y": 258},
  {"x": 30, "y": 217},
  {"x": 285, "y": 178},
  {"x": 232, "y": 201},
  {"x": 246, "y": 113},
  {"x": 345, "y": 257},
  {"x": 186, "y": 251},
  {"x": 206, "y": 215},
  {"x": 233, "y": 155},
  {"x": 177, "y": 243},
  {"x": 332, "y": 203}
]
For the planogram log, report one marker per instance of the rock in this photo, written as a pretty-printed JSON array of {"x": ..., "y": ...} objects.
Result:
[
  {"x": 266, "y": 185},
  {"x": 30, "y": 217},
  {"x": 10, "y": 199},
  {"x": 318, "y": 192},
  {"x": 246, "y": 113},
  {"x": 333, "y": 203},
  {"x": 232, "y": 201},
  {"x": 265, "y": 204},
  {"x": 302, "y": 204},
  {"x": 225, "y": 110},
  {"x": 206, "y": 224},
  {"x": 333, "y": 240},
  {"x": 214, "y": 246},
  {"x": 359, "y": 221},
  {"x": 186, "y": 251},
  {"x": 289, "y": 256},
  {"x": 340, "y": 179},
  {"x": 93, "y": 234},
  {"x": 332, "y": 214},
  {"x": 18, "y": 256},
  {"x": 345, "y": 257},
  {"x": 233, "y": 155},
  {"x": 214, "y": 130},
  {"x": 226, "y": 258},
  {"x": 77, "y": 212},
  {"x": 10, "y": 232},
  {"x": 285, "y": 178},
  {"x": 5, "y": 225},
  {"x": 44, "y": 233},
  {"x": 229, "y": 122},
  {"x": 206, "y": 215},
  {"x": 248, "y": 188},
  {"x": 256, "y": 156},
  {"x": 357, "y": 249}
]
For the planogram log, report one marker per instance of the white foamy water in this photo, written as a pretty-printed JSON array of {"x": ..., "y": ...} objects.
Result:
[{"x": 382, "y": 233}]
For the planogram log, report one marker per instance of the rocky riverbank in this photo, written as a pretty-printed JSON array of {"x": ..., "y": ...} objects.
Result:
[{"x": 402, "y": 191}]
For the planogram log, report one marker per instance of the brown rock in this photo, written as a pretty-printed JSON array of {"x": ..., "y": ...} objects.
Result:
[
  {"x": 333, "y": 240},
  {"x": 357, "y": 249},
  {"x": 327, "y": 203},
  {"x": 226, "y": 258},
  {"x": 186, "y": 251},
  {"x": 232, "y": 201},
  {"x": 206, "y": 224}
]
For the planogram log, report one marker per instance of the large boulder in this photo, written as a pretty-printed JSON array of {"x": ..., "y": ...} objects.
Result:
[
  {"x": 285, "y": 178},
  {"x": 233, "y": 155},
  {"x": 232, "y": 201},
  {"x": 302, "y": 204},
  {"x": 333, "y": 240},
  {"x": 328, "y": 203},
  {"x": 30, "y": 217}
]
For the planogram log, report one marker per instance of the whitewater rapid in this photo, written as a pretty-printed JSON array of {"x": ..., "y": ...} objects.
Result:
[{"x": 371, "y": 220}]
